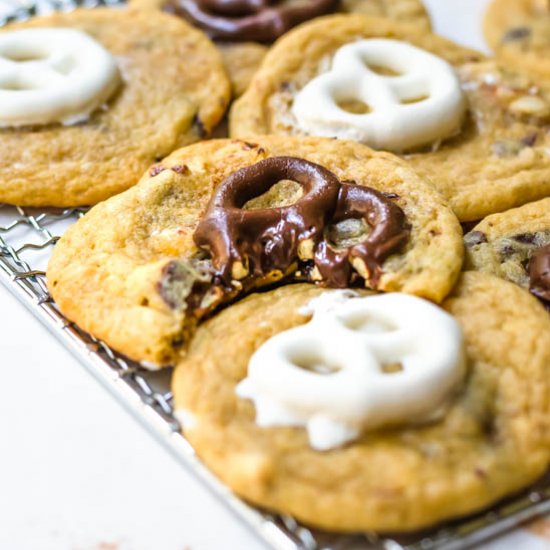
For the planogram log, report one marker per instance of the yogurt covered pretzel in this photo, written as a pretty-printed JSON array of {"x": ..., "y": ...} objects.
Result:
[
  {"x": 489, "y": 440},
  {"x": 53, "y": 75},
  {"x": 420, "y": 105},
  {"x": 331, "y": 375},
  {"x": 486, "y": 152}
]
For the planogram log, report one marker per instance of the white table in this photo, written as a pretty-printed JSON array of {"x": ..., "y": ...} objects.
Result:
[{"x": 94, "y": 479}]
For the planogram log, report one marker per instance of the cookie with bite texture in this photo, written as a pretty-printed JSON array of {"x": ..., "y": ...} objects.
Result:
[
  {"x": 218, "y": 219},
  {"x": 514, "y": 245}
]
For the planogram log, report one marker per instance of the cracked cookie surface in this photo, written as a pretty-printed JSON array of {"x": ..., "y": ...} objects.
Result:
[
  {"x": 160, "y": 105},
  {"x": 125, "y": 271},
  {"x": 493, "y": 440},
  {"x": 500, "y": 158}
]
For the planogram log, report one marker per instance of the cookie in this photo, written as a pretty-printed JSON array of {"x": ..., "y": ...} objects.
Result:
[
  {"x": 134, "y": 272},
  {"x": 479, "y": 135},
  {"x": 171, "y": 91},
  {"x": 490, "y": 441},
  {"x": 519, "y": 32},
  {"x": 244, "y": 47},
  {"x": 514, "y": 245}
]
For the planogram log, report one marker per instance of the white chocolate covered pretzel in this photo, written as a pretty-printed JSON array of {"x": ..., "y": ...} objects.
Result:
[
  {"x": 359, "y": 364},
  {"x": 419, "y": 103},
  {"x": 52, "y": 75}
]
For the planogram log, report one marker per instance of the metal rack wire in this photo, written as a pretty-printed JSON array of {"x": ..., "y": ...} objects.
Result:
[{"x": 26, "y": 240}]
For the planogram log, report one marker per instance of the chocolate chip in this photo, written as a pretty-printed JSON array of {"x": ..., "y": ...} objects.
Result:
[
  {"x": 475, "y": 237},
  {"x": 178, "y": 280},
  {"x": 156, "y": 169},
  {"x": 247, "y": 146},
  {"x": 530, "y": 139},
  {"x": 480, "y": 472},
  {"x": 525, "y": 238},
  {"x": 516, "y": 33},
  {"x": 506, "y": 251},
  {"x": 180, "y": 169}
]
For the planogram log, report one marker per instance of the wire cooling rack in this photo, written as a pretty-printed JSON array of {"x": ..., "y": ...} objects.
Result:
[{"x": 26, "y": 239}]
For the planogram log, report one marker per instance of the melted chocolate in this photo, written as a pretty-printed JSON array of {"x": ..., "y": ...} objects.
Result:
[
  {"x": 539, "y": 273},
  {"x": 242, "y": 20},
  {"x": 252, "y": 244},
  {"x": 265, "y": 240},
  {"x": 389, "y": 233}
]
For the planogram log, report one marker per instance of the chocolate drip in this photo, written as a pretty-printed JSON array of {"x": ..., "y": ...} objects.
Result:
[
  {"x": 269, "y": 243},
  {"x": 256, "y": 243},
  {"x": 242, "y": 20},
  {"x": 389, "y": 233},
  {"x": 539, "y": 273},
  {"x": 234, "y": 8}
]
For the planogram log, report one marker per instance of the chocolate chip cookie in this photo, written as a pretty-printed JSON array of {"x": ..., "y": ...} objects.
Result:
[
  {"x": 172, "y": 92},
  {"x": 217, "y": 219},
  {"x": 519, "y": 32},
  {"x": 492, "y": 441},
  {"x": 515, "y": 245}
]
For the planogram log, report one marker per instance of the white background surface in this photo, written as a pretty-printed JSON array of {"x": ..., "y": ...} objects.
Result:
[{"x": 78, "y": 473}]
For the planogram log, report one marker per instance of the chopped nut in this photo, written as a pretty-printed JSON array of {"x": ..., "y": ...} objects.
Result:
[
  {"x": 315, "y": 274},
  {"x": 213, "y": 296},
  {"x": 305, "y": 249},
  {"x": 361, "y": 268},
  {"x": 239, "y": 271}
]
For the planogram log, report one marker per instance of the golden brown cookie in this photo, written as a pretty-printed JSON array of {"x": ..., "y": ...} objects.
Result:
[
  {"x": 519, "y": 32},
  {"x": 499, "y": 158},
  {"x": 173, "y": 92},
  {"x": 492, "y": 441},
  {"x": 242, "y": 59},
  {"x": 130, "y": 273},
  {"x": 507, "y": 245}
]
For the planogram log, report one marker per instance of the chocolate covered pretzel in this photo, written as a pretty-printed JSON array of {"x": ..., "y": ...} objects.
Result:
[
  {"x": 257, "y": 242},
  {"x": 389, "y": 231},
  {"x": 539, "y": 274},
  {"x": 248, "y": 20},
  {"x": 273, "y": 242}
]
